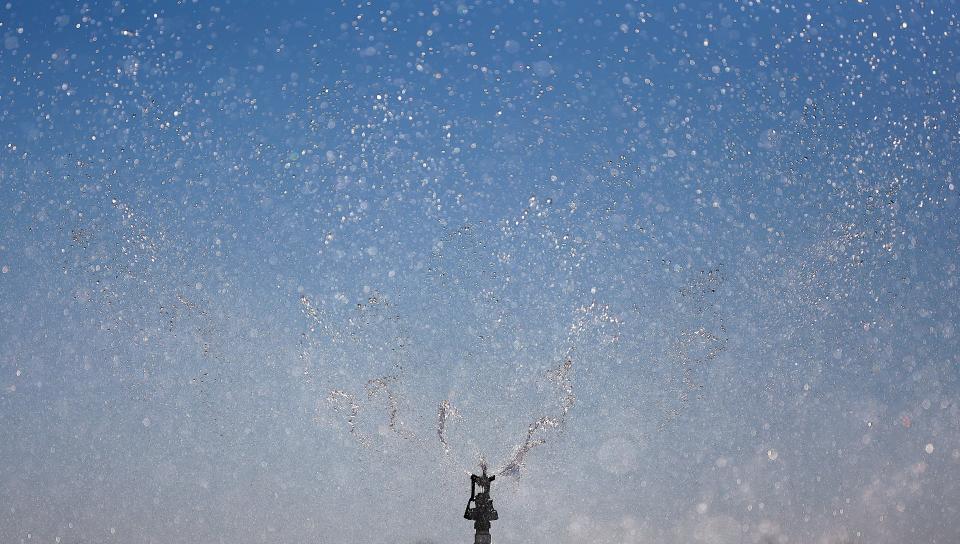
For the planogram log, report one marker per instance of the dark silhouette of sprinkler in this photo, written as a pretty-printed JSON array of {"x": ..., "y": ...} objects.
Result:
[{"x": 482, "y": 511}]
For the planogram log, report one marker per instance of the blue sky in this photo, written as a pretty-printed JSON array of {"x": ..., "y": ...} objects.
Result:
[{"x": 708, "y": 251}]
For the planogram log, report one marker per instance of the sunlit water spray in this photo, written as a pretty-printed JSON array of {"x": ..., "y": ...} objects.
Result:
[{"x": 391, "y": 405}]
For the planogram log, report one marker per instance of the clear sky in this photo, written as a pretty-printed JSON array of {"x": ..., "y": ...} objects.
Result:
[{"x": 286, "y": 271}]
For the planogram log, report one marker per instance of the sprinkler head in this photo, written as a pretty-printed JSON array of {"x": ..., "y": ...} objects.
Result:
[{"x": 480, "y": 506}]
